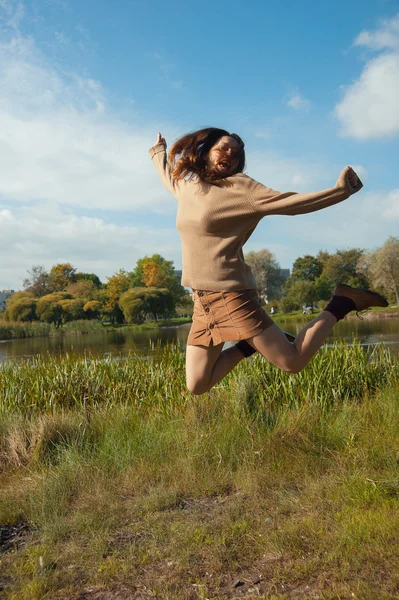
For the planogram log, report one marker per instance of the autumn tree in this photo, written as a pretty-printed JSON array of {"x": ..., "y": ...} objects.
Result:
[
  {"x": 382, "y": 267},
  {"x": 82, "y": 289},
  {"x": 37, "y": 282},
  {"x": 49, "y": 309},
  {"x": 21, "y": 306},
  {"x": 115, "y": 287},
  {"x": 153, "y": 275},
  {"x": 92, "y": 309},
  {"x": 267, "y": 272},
  {"x": 61, "y": 276},
  {"x": 157, "y": 270},
  {"x": 72, "y": 309}
]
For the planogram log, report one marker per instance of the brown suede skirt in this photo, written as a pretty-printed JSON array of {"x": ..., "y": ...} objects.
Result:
[{"x": 226, "y": 317}]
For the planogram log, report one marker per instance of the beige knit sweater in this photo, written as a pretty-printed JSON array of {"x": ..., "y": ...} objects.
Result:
[{"x": 216, "y": 219}]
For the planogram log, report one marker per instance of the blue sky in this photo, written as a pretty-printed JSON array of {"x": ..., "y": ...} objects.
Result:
[{"x": 85, "y": 86}]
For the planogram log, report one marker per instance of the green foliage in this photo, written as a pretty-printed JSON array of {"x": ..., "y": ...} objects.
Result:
[
  {"x": 49, "y": 308},
  {"x": 22, "y": 309},
  {"x": 322, "y": 289},
  {"x": 115, "y": 287},
  {"x": 137, "y": 303},
  {"x": 86, "y": 277},
  {"x": 342, "y": 267},
  {"x": 307, "y": 267},
  {"x": 92, "y": 308},
  {"x": 300, "y": 292},
  {"x": 72, "y": 309}
]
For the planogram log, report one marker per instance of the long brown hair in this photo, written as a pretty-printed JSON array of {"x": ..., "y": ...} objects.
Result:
[{"x": 188, "y": 156}]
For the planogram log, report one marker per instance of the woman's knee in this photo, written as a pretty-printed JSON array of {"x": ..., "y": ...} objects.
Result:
[
  {"x": 197, "y": 386},
  {"x": 290, "y": 363}
]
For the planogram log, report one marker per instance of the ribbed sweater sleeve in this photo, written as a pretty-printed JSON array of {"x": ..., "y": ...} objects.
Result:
[
  {"x": 159, "y": 158},
  {"x": 270, "y": 202}
]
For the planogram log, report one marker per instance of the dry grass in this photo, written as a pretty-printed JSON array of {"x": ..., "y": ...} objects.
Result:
[{"x": 289, "y": 499}]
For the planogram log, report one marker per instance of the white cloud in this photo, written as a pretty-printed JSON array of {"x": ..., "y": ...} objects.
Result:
[
  {"x": 47, "y": 234},
  {"x": 369, "y": 107},
  {"x": 289, "y": 174},
  {"x": 386, "y": 37},
  {"x": 298, "y": 102},
  {"x": 60, "y": 142},
  {"x": 391, "y": 206}
]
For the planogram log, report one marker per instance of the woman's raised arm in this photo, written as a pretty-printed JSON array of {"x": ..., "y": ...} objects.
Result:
[
  {"x": 159, "y": 158},
  {"x": 270, "y": 202}
]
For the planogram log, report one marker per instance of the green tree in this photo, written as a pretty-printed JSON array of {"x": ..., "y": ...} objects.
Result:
[
  {"x": 307, "y": 267},
  {"x": 137, "y": 303},
  {"x": 267, "y": 272},
  {"x": 79, "y": 276},
  {"x": 342, "y": 267},
  {"x": 301, "y": 293},
  {"x": 322, "y": 288}
]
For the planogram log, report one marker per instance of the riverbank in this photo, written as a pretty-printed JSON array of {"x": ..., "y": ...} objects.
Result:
[
  {"x": 115, "y": 482},
  {"x": 10, "y": 331}
]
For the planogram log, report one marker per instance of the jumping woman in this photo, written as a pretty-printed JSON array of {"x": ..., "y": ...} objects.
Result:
[{"x": 218, "y": 209}]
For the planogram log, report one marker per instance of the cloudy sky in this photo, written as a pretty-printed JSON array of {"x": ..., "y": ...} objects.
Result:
[{"x": 86, "y": 86}]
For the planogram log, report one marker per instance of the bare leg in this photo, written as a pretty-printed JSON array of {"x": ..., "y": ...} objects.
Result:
[
  {"x": 273, "y": 345},
  {"x": 206, "y": 366}
]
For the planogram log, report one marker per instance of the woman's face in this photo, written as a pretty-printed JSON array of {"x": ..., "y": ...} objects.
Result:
[{"x": 224, "y": 156}]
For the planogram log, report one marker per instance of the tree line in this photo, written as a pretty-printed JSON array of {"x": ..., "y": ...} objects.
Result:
[
  {"x": 64, "y": 294},
  {"x": 152, "y": 289},
  {"x": 313, "y": 278}
]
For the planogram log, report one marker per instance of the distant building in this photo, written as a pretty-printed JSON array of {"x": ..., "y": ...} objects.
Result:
[
  {"x": 4, "y": 294},
  {"x": 178, "y": 275},
  {"x": 285, "y": 273}
]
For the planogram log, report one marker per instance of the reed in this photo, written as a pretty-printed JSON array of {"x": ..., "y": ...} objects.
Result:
[
  {"x": 337, "y": 373},
  {"x": 9, "y": 331}
]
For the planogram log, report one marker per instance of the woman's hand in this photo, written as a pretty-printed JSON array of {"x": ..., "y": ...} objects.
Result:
[
  {"x": 349, "y": 180},
  {"x": 160, "y": 140},
  {"x": 354, "y": 181}
]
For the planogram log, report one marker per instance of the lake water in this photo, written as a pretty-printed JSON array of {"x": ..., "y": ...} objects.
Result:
[{"x": 123, "y": 342}]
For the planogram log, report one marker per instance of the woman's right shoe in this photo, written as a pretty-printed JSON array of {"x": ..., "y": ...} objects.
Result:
[{"x": 363, "y": 299}]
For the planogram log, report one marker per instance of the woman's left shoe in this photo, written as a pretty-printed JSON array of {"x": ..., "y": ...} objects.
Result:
[{"x": 247, "y": 350}]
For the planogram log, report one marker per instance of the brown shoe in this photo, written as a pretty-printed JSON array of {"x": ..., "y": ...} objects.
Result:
[{"x": 363, "y": 299}]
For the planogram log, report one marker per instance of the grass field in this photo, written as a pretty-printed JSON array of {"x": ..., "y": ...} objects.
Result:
[{"x": 116, "y": 483}]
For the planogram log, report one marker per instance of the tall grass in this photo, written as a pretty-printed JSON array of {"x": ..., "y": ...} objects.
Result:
[
  {"x": 9, "y": 331},
  {"x": 128, "y": 480},
  {"x": 336, "y": 373}
]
